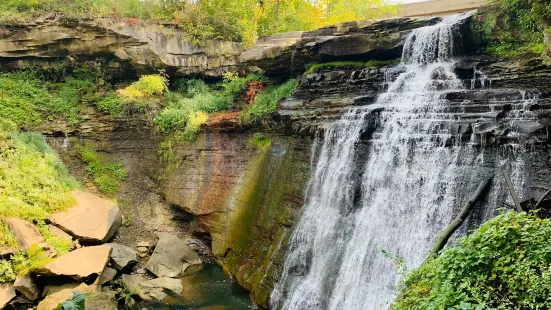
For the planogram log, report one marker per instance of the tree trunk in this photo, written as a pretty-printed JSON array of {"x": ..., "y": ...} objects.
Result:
[{"x": 460, "y": 218}]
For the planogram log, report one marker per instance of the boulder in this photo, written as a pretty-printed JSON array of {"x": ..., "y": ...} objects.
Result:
[
  {"x": 123, "y": 258},
  {"x": 156, "y": 289},
  {"x": 92, "y": 220},
  {"x": 132, "y": 282},
  {"x": 172, "y": 256},
  {"x": 78, "y": 264},
  {"x": 25, "y": 232},
  {"x": 59, "y": 233},
  {"x": 144, "y": 244},
  {"x": 7, "y": 251},
  {"x": 107, "y": 276},
  {"x": 51, "y": 301},
  {"x": 25, "y": 285},
  {"x": 7, "y": 293},
  {"x": 101, "y": 301}
]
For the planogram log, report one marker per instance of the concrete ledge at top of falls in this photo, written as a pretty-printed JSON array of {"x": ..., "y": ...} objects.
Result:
[
  {"x": 288, "y": 53},
  {"x": 146, "y": 46}
]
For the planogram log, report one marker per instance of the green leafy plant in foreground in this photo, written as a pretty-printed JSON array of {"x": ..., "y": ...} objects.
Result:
[
  {"x": 77, "y": 302},
  {"x": 504, "y": 264}
]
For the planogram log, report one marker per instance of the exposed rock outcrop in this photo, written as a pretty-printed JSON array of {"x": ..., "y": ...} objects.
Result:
[
  {"x": 373, "y": 39},
  {"x": 142, "y": 46},
  {"x": 92, "y": 220}
]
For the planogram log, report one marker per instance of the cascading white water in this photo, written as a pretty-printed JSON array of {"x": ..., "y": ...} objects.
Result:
[{"x": 407, "y": 191}]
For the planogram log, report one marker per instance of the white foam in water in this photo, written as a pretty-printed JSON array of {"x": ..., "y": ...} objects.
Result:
[{"x": 410, "y": 188}]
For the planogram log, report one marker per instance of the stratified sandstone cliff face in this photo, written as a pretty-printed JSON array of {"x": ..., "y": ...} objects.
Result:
[
  {"x": 245, "y": 194},
  {"x": 288, "y": 53},
  {"x": 142, "y": 46}
]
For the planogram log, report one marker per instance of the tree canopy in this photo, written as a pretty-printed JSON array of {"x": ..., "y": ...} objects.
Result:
[{"x": 238, "y": 20}]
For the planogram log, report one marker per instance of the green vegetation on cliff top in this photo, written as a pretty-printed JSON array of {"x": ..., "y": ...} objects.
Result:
[
  {"x": 504, "y": 264},
  {"x": 237, "y": 20},
  {"x": 520, "y": 33}
]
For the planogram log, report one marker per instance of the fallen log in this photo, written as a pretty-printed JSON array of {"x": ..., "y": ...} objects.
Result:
[
  {"x": 541, "y": 199},
  {"x": 460, "y": 218},
  {"x": 511, "y": 189}
]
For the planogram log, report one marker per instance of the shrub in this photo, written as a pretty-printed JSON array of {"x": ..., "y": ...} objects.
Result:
[
  {"x": 191, "y": 87},
  {"x": 106, "y": 174},
  {"x": 146, "y": 86},
  {"x": 33, "y": 180},
  {"x": 266, "y": 102},
  {"x": 504, "y": 264},
  {"x": 111, "y": 104}
]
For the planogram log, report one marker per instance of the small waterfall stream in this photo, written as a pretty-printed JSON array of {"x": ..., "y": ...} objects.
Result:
[{"x": 395, "y": 197}]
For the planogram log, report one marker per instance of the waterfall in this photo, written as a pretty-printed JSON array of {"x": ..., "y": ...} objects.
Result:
[{"x": 395, "y": 197}]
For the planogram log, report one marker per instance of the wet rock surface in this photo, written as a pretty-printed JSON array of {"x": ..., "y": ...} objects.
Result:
[
  {"x": 288, "y": 53},
  {"x": 172, "y": 256},
  {"x": 123, "y": 258}
]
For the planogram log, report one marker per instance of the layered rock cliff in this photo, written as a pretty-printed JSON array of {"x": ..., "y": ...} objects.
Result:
[{"x": 243, "y": 193}]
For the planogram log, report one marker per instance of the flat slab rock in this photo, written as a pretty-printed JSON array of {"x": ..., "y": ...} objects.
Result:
[
  {"x": 7, "y": 293},
  {"x": 172, "y": 256},
  {"x": 152, "y": 290},
  {"x": 92, "y": 220},
  {"x": 25, "y": 285},
  {"x": 52, "y": 300},
  {"x": 26, "y": 233},
  {"x": 78, "y": 264}
]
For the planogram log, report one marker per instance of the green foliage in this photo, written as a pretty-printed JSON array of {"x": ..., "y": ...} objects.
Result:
[
  {"x": 6, "y": 237},
  {"x": 504, "y": 264},
  {"x": 186, "y": 113},
  {"x": 61, "y": 245},
  {"x": 33, "y": 180},
  {"x": 527, "y": 19},
  {"x": 111, "y": 104},
  {"x": 191, "y": 87},
  {"x": 237, "y": 20},
  {"x": 23, "y": 263},
  {"x": 260, "y": 141},
  {"x": 516, "y": 49},
  {"x": 266, "y": 102},
  {"x": 26, "y": 98},
  {"x": 106, "y": 174},
  {"x": 77, "y": 302},
  {"x": 350, "y": 64}
]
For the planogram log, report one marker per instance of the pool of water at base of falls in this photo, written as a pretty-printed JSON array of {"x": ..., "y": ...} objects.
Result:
[{"x": 208, "y": 289}]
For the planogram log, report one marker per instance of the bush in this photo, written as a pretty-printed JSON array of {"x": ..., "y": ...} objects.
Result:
[
  {"x": 504, "y": 264},
  {"x": 146, "y": 86},
  {"x": 191, "y": 87},
  {"x": 106, "y": 174},
  {"x": 111, "y": 104},
  {"x": 266, "y": 102},
  {"x": 33, "y": 180}
]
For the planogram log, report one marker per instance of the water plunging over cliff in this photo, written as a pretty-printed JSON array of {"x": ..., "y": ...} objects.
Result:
[{"x": 395, "y": 197}]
